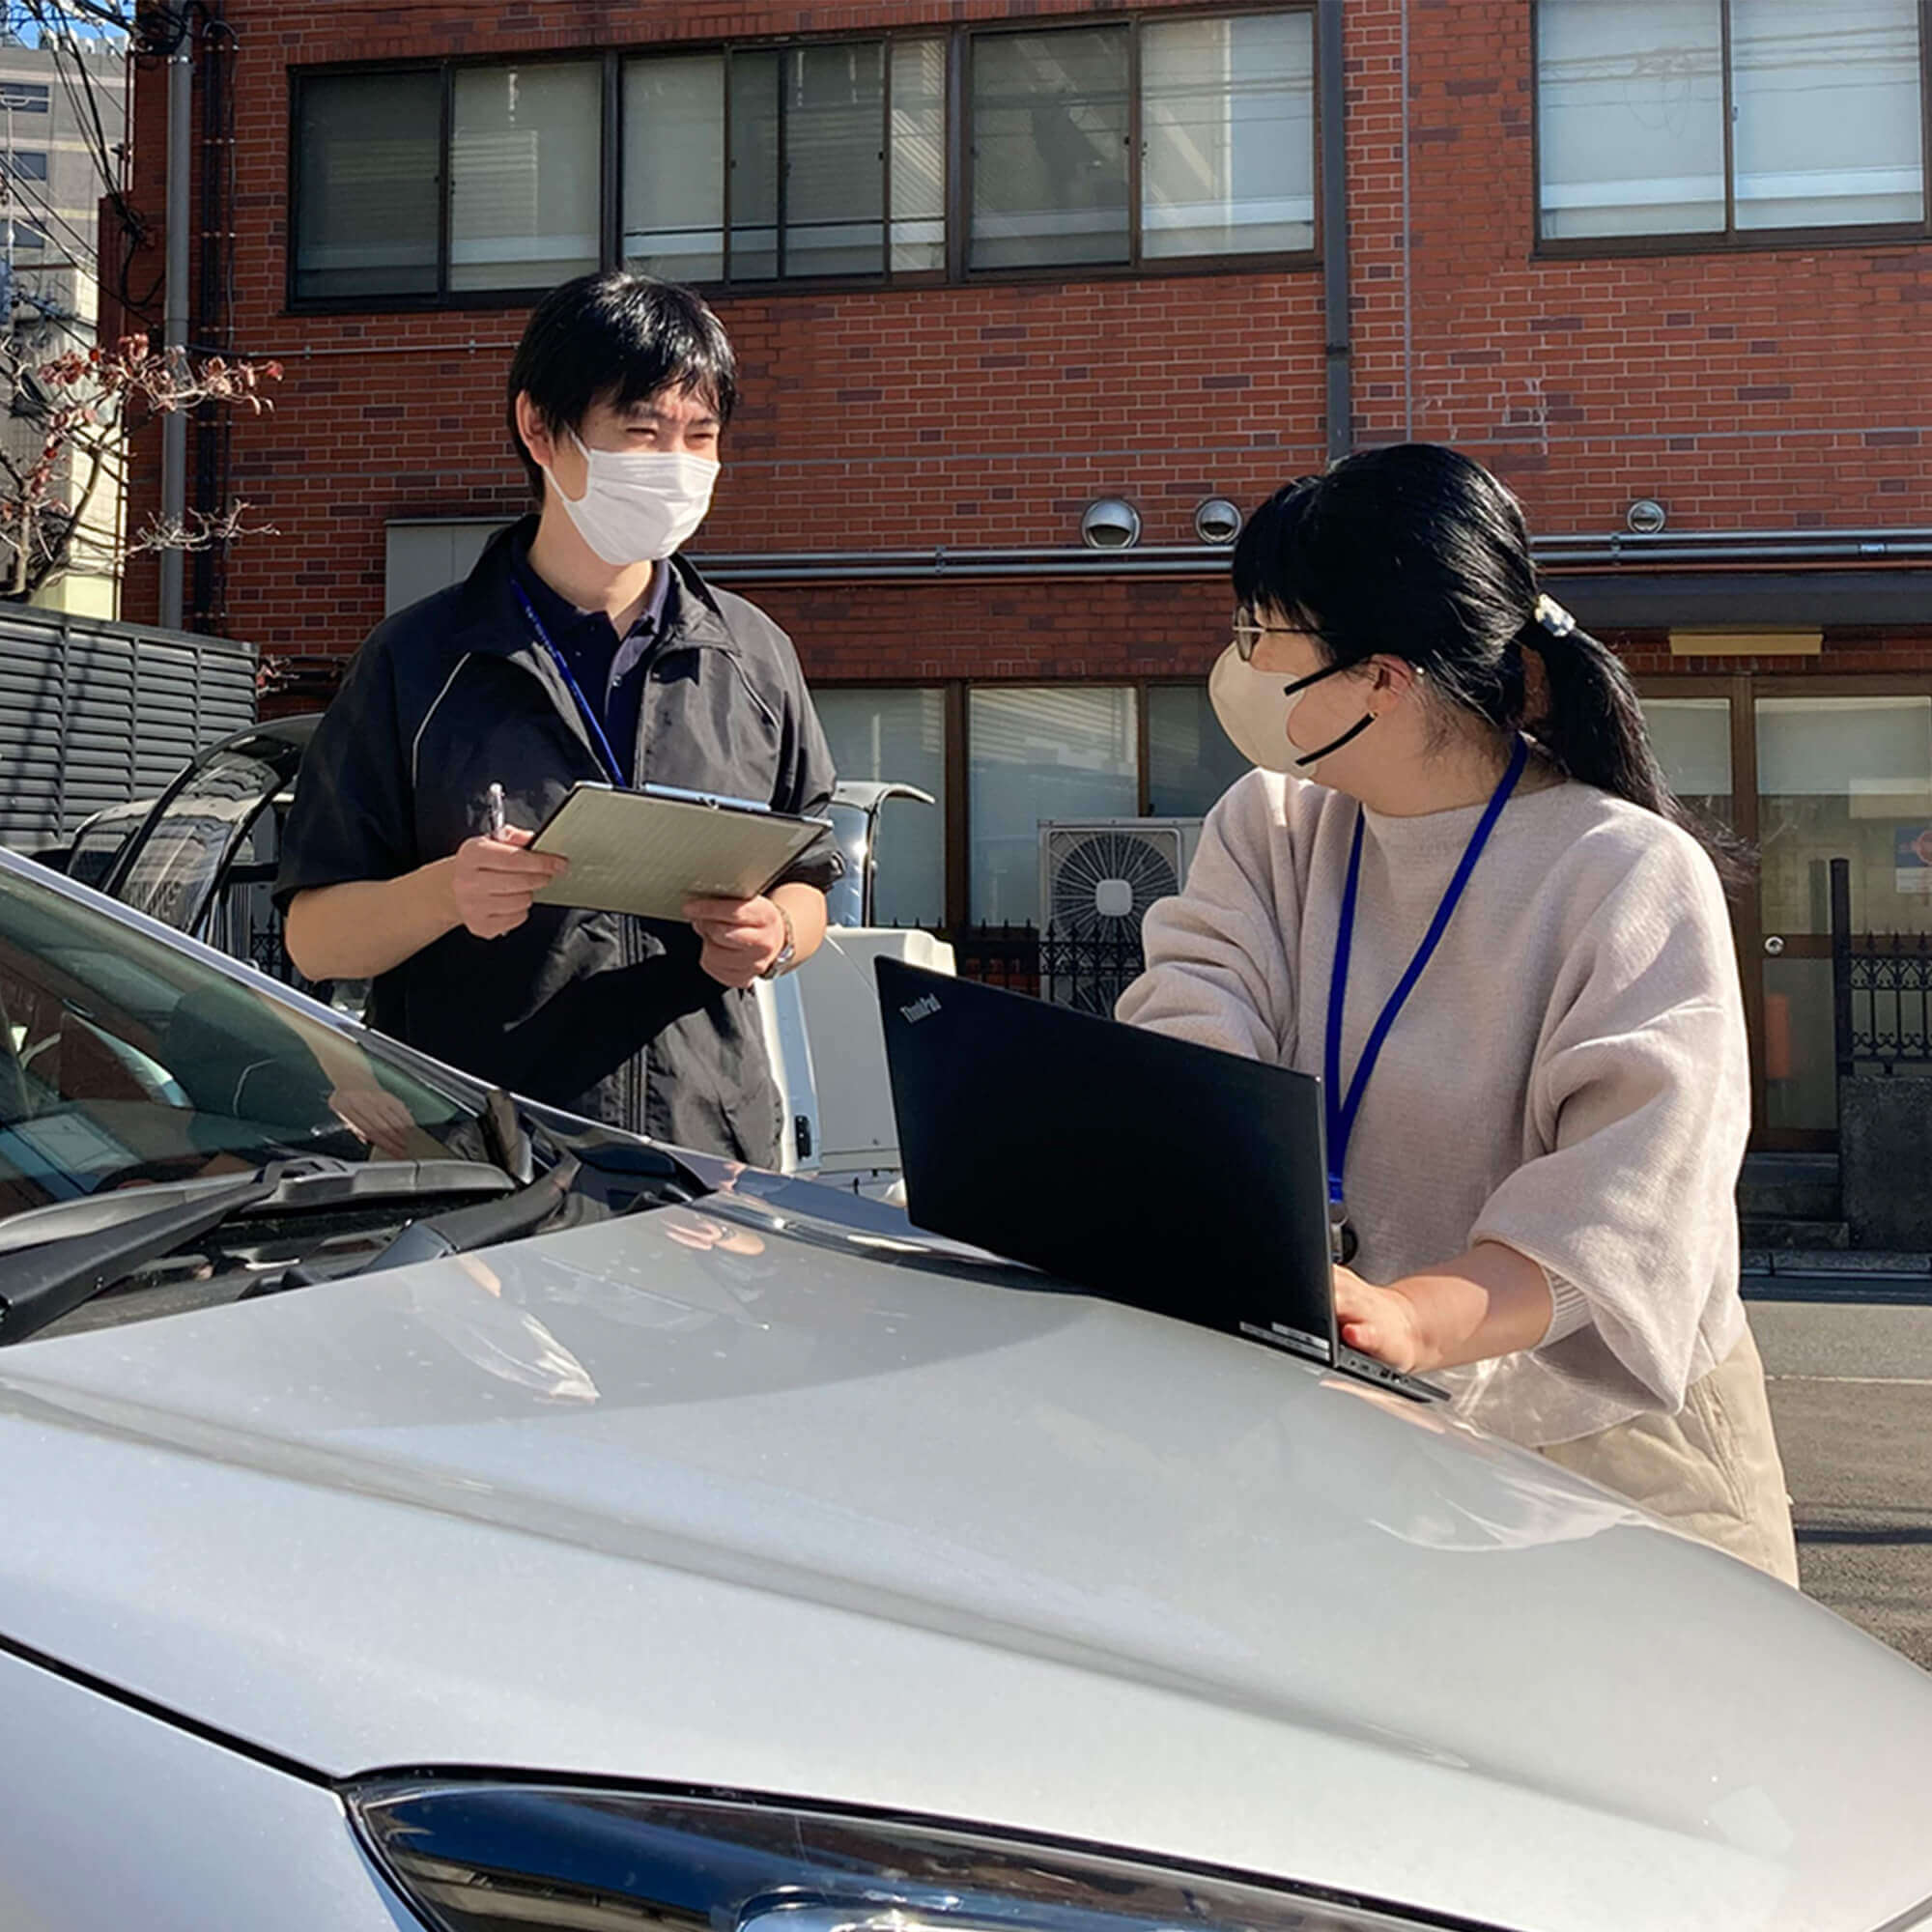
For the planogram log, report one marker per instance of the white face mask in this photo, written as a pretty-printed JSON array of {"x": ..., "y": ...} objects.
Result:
[
  {"x": 1254, "y": 707},
  {"x": 639, "y": 506}
]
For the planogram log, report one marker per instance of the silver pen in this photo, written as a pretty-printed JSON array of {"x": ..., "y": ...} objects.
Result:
[{"x": 497, "y": 823}]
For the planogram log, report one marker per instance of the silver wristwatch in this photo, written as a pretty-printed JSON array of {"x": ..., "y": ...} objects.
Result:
[{"x": 787, "y": 953}]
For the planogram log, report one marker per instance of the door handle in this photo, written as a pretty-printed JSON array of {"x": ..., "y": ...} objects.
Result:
[{"x": 1775, "y": 946}]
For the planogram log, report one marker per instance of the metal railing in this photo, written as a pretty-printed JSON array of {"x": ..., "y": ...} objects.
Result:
[
  {"x": 1881, "y": 991},
  {"x": 1086, "y": 971}
]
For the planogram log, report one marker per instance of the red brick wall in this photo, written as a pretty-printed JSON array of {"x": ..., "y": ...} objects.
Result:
[
  {"x": 1764, "y": 389},
  {"x": 1760, "y": 390},
  {"x": 1003, "y": 628}
]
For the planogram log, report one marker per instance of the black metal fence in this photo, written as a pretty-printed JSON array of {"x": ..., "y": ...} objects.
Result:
[
  {"x": 1881, "y": 991},
  {"x": 1088, "y": 971}
]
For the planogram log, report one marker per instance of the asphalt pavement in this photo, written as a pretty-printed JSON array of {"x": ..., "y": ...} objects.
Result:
[{"x": 1849, "y": 1365}]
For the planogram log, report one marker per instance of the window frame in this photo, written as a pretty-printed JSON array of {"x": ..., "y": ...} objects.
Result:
[
  {"x": 1730, "y": 239},
  {"x": 958, "y": 41},
  {"x": 885, "y": 39},
  {"x": 955, "y": 805}
]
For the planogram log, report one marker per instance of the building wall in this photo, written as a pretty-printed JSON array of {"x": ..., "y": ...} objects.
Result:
[{"x": 1762, "y": 389}]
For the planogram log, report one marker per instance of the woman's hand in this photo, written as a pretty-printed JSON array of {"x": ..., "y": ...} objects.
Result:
[
  {"x": 1380, "y": 1322},
  {"x": 1488, "y": 1302}
]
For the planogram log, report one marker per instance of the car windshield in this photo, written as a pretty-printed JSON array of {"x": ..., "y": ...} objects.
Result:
[
  {"x": 124, "y": 1059},
  {"x": 98, "y": 842},
  {"x": 175, "y": 873}
]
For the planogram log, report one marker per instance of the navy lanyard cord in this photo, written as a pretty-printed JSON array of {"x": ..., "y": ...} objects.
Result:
[
  {"x": 599, "y": 739},
  {"x": 1342, "y": 1111}
]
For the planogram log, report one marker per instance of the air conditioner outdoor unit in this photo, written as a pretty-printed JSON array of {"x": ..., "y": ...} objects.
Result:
[{"x": 1097, "y": 878}]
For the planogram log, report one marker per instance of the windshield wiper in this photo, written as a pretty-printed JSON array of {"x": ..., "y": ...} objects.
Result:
[
  {"x": 41, "y": 1283},
  {"x": 454, "y": 1233},
  {"x": 38, "y": 1286},
  {"x": 508, "y": 1140}
]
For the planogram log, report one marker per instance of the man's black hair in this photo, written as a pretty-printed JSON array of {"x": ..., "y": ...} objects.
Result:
[{"x": 617, "y": 338}]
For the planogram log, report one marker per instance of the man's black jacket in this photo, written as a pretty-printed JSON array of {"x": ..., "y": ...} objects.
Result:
[{"x": 603, "y": 1014}]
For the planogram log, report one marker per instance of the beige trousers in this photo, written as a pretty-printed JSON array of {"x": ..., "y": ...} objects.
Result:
[{"x": 1712, "y": 1470}]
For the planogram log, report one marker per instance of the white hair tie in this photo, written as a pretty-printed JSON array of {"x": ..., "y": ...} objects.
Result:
[{"x": 1553, "y": 616}]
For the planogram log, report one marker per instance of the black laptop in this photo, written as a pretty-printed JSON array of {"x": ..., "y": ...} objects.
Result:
[{"x": 1140, "y": 1168}]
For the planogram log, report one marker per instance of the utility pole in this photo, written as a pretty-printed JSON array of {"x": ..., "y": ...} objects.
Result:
[
  {"x": 7, "y": 256},
  {"x": 23, "y": 536},
  {"x": 174, "y": 317}
]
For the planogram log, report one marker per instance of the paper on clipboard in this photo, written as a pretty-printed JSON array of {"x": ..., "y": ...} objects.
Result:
[{"x": 647, "y": 853}]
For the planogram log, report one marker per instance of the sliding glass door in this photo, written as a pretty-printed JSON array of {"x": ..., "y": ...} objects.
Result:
[{"x": 1805, "y": 770}]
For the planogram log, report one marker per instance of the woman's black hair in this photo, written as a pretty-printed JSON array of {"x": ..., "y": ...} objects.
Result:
[
  {"x": 1415, "y": 550},
  {"x": 617, "y": 338}
]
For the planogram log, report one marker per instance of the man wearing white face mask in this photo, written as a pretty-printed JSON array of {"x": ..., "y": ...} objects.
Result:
[{"x": 583, "y": 646}]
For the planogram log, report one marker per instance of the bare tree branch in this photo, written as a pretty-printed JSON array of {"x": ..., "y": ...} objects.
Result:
[
  {"x": 82, "y": 403},
  {"x": 203, "y": 530}
]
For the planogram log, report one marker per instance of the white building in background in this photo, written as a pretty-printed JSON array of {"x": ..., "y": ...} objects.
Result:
[{"x": 63, "y": 115}]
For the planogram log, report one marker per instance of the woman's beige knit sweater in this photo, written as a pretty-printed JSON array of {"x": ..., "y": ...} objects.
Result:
[{"x": 1569, "y": 1077}]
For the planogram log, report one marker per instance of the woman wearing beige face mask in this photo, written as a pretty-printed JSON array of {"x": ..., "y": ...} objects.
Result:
[{"x": 1460, "y": 891}]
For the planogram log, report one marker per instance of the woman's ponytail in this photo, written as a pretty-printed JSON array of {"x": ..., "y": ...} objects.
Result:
[{"x": 1592, "y": 724}]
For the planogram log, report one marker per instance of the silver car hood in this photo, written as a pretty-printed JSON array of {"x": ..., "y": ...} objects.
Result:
[{"x": 728, "y": 1504}]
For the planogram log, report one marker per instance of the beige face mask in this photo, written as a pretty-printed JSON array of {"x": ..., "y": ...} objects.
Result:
[{"x": 1254, "y": 707}]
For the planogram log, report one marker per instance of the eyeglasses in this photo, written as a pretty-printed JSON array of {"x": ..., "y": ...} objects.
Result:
[{"x": 1248, "y": 634}]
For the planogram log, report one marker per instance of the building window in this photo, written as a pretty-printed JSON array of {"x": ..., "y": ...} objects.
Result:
[
  {"x": 1691, "y": 737},
  {"x": 1171, "y": 140},
  {"x": 1047, "y": 752},
  {"x": 1051, "y": 130},
  {"x": 425, "y": 557},
  {"x": 896, "y": 736},
  {"x": 25, "y": 165},
  {"x": 1190, "y": 762},
  {"x": 524, "y": 146},
  {"x": 1228, "y": 121},
  {"x": 25, "y": 97},
  {"x": 368, "y": 175},
  {"x": 674, "y": 167},
  {"x": 25, "y": 236},
  {"x": 764, "y": 164},
  {"x": 1134, "y": 144},
  {"x": 1824, "y": 109}
]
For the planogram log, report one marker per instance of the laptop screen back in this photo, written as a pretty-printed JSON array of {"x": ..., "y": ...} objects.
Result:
[{"x": 1141, "y": 1168}]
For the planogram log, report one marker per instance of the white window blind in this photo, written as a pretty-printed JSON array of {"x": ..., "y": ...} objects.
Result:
[
  {"x": 1630, "y": 108},
  {"x": 1828, "y": 105},
  {"x": 674, "y": 166},
  {"x": 1228, "y": 120},
  {"x": 366, "y": 164},
  {"x": 1051, "y": 751},
  {"x": 524, "y": 176}
]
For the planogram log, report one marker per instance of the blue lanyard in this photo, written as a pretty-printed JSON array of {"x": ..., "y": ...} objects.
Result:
[
  {"x": 598, "y": 737},
  {"x": 1342, "y": 1111}
]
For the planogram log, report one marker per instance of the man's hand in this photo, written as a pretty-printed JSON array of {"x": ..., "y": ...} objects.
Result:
[
  {"x": 492, "y": 881},
  {"x": 1380, "y": 1322},
  {"x": 742, "y": 937}
]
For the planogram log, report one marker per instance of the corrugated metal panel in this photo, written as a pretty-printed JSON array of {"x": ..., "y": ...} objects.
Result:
[{"x": 92, "y": 714}]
